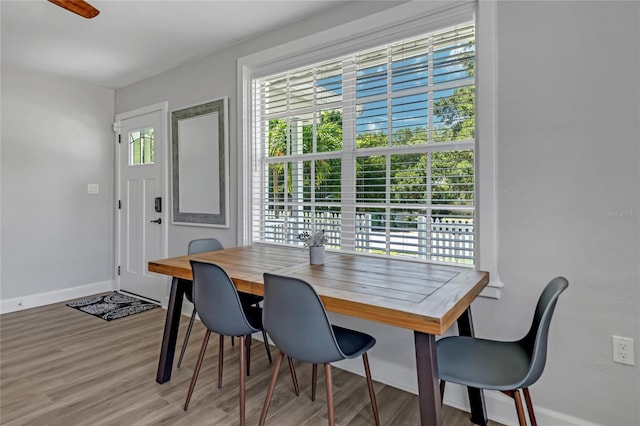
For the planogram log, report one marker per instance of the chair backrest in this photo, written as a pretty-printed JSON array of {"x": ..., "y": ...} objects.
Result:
[
  {"x": 204, "y": 244},
  {"x": 217, "y": 301},
  {"x": 297, "y": 322},
  {"x": 535, "y": 341},
  {"x": 200, "y": 246}
]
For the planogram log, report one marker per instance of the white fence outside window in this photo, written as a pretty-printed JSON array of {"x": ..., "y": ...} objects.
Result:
[{"x": 448, "y": 240}]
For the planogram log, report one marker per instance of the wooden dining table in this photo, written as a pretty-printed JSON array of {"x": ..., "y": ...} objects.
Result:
[{"x": 423, "y": 297}]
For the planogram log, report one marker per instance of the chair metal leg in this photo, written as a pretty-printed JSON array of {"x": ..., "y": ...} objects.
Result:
[
  {"x": 314, "y": 378},
  {"x": 515, "y": 394},
  {"x": 519, "y": 408},
  {"x": 372, "y": 394},
  {"x": 220, "y": 358},
  {"x": 329, "y": 380},
  {"x": 527, "y": 400},
  {"x": 272, "y": 385},
  {"x": 442, "y": 385},
  {"x": 294, "y": 377},
  {"x": 266, "y": 345},
  {"x": 242, "y": 394},
  {"x": 247, "y": 341},
  {"x": 196, "y": 371},
  {"x": 186, "y": 337}
]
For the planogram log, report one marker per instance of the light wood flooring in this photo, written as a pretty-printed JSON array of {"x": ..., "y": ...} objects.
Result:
[{"x": 59, "y": 366}]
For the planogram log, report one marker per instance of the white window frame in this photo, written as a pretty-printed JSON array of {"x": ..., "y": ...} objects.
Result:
[{"x": 404, "y": 21}]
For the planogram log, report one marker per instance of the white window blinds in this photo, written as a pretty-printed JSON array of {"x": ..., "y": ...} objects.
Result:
[{"x": 376, "y": 148}]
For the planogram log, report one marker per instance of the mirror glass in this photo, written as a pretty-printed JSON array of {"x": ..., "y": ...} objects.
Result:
[{"x": 199, "y": 154}]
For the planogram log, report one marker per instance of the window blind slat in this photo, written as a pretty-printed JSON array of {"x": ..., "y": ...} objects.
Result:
[{"x": 376, "y": 148}]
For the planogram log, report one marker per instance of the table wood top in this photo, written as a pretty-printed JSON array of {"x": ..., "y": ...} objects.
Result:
[{"x": 415, "y": 295}]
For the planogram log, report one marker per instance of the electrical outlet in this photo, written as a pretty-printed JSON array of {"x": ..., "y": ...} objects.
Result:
[{"x": 623, "y": 350}]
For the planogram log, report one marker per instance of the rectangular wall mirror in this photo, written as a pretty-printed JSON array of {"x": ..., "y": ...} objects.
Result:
[{"x": 200, "y": 164}]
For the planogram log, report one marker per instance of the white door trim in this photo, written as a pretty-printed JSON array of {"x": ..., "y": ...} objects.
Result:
[{"x": 163, "y": 107}]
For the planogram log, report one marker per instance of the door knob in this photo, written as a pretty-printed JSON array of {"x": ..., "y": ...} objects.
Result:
[{"x": 158, "y": 221}]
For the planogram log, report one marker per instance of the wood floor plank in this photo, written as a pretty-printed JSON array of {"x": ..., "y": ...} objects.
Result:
[{"x": 59, "y": 366}]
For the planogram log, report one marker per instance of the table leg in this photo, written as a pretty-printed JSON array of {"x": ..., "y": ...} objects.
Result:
[
  {"x": 428, "y": 386},
  {"x": 171, "y": 324},
  {"x": 476, "y": 397}
]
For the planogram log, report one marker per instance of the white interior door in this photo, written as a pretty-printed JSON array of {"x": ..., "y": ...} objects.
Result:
[{"x": 142, "y": 204}]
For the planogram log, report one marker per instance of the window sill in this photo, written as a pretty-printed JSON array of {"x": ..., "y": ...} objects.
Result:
[{"x": 492, "y": 290}]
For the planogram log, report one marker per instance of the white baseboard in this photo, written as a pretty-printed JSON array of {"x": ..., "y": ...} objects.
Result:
[
  {"x": 500, "y": 408},
  {"x": 41, "y": 299},
  {"x": 389, "y": 373}
]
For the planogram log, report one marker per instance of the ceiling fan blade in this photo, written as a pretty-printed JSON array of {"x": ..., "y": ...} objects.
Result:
[{"x": 78, "y": 7}]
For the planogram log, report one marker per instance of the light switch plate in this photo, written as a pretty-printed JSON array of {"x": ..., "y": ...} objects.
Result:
[{"x": 93, "y": 188}]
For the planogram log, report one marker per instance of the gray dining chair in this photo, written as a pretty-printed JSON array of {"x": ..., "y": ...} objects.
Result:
[
  {"x": 220, "y": 310},
  {"x": 295, "y": 318},
  {"x": 499, "y": 365},
  {"x": 212, "y": 244}
]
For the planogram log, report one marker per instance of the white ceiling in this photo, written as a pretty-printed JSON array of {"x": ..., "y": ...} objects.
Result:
[{"x": 133, "y": 40}]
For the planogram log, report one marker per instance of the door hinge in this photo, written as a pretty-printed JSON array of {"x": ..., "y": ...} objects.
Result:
[
  {"x": 119, "y": 138},
  {"x": 119, "y": 204},
  {"x": 118, "y": 270}
]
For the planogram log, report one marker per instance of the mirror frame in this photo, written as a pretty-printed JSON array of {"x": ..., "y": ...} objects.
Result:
[{"x": 191, "y": 168}]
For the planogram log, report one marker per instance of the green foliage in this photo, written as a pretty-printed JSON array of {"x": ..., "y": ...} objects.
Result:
[
  {"x": 447, "y": 177},
  {"x": 451, "y": 173},
  {"x": 457, "y": 114},
  {"x": 141, "y": 143}
]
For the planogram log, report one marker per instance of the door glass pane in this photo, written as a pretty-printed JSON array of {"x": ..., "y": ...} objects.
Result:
[{"x": 141, "y": 149}]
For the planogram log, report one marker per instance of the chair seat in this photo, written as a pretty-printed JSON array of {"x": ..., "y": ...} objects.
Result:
[
  {"x": 481, "y": 363},
  {"x": 220, "y": 310},
  {"x": 352, "y": 343},
  {"x": 499, "y": 365},
  {"x": 296, "y": 320}
]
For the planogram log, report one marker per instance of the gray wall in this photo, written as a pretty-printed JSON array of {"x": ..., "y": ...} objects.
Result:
[
  {"x": 56, "y": 138},
  {"x": 569, "y": 161},
  {"x": 214, "y": 77},
  {"x": 568, "y": 164}
]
